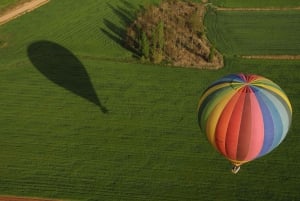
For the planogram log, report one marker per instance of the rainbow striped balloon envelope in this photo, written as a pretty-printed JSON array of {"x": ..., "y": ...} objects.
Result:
[{"x": 244, "y": 116}]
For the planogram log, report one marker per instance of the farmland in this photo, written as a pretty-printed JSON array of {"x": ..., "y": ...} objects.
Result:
[
  {"x": 255, "y": 32},
  {"x": 147, "y": 146}
]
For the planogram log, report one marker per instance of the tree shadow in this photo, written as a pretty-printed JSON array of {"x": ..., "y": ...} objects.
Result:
[
  {"x": 126, "y": 14},
  {"x": 64, "y": 69}
]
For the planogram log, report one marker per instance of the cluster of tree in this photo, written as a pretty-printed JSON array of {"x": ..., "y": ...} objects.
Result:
[
  {"x": 152, "y": 47},
  {"x": 173, "y": 32}
]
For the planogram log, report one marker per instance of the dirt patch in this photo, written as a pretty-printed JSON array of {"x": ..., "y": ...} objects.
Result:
[
  {"x": 8, "y": 198},
  {"x": 273, "y": 57},
  {"x": 3, "y": 44},
  {"x": 21, "y": 9},
  {"x": 185, "y": 43}
]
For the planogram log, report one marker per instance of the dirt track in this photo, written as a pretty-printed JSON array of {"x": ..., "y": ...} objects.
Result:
[
  {"x": 273, "y": 57},
  {"x": 7, "y": 198},
  {"x": 257, "y": 9},
  {"x": 20, "y": 10}
]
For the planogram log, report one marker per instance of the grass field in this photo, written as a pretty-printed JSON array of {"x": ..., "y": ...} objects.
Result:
[
  {"x": 252, "y": 33},
  {"x": 6, "y": 4},
  {"x": 55, "y": 143},
  {"x": 256, "y": 3}
]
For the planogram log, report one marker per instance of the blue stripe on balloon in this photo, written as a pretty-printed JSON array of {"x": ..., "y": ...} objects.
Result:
[
  {"x": 278, "y": 114},
  {"x": 268, "y": 122},
  {"x": 285, "y": 112},
  {"x": 228, "y": 79}
]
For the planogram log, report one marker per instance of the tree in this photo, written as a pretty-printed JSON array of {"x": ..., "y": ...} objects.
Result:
[
  {"x": 138, "y": 37},
  {"x": 154, "y": 41},
  {"x": 211, "y": 54},
  {"x": 160, "y": 35},
  {"x": 145, "y": 46},
  {"x": 195, "y": 25},
  {"x": 158, "y": 41},
  {"x": 195, "y": 22}
]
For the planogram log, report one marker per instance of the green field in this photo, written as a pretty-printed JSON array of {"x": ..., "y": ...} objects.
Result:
[
  {"x": 252, "y": 33},
  {"x": 256, "y": 3},
  {"x": 56, "y": 142},
  {"x": 5, "y": 4}
]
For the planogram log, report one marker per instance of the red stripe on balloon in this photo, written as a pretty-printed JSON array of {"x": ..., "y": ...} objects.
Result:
[
  {"x": 222, "y": 125},
  {"x": 233, "y": 130},
  {"x": 244, "y": 135},
  {"x": 249, "y": 78}
]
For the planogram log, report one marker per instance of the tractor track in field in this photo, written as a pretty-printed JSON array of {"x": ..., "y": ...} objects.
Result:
[{"x": 21, "y": 9}]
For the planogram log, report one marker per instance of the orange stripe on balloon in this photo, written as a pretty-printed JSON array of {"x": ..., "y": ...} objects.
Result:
[{"x": 214, "y": 117}]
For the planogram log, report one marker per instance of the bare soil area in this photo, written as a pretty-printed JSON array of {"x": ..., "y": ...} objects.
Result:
[{"x": 21, "y": 9}]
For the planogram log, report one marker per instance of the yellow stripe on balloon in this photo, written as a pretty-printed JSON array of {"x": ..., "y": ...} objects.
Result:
[
  {"x": 238, "y": 163},
  {"x": 277, "y": 91}
]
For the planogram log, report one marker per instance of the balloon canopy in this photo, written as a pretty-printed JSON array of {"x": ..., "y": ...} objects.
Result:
[{"x": 244, "y": 116}]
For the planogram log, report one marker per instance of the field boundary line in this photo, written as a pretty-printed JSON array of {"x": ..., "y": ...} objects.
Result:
[
  {"x": 273, "y": 57},
  {"x": 257, "y": 9},
  {"x": 21, "y": 10}
]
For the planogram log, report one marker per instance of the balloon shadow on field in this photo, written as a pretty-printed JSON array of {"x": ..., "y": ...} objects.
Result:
[{"x": 63, "y": 68}]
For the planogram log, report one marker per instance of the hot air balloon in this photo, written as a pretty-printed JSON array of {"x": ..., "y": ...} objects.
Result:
[{"x": 244, "y": 117}]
